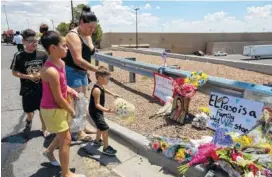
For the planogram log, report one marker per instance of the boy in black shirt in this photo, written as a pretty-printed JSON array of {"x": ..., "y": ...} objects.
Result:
[
  {"x": 97, "y": 109},
  {"x": 26, "y": 65}
]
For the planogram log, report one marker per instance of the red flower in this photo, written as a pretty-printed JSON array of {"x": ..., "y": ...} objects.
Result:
[
  {"x": 253, "y": 168},
  {"x": 234, "y": 154},
  {"x": 213, "y": 155}
]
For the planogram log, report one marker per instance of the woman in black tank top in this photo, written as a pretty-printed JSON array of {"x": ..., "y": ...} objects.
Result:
[{"x": 80, "y": 50}]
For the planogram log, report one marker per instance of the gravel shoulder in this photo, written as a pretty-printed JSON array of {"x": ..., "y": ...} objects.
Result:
[{"x": 140, "y": 94}]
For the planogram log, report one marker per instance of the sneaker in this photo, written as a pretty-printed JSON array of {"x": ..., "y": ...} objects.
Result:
[
  {"x": 109, "y": 151},
  {"x": 99, "y": 143},
  {"x": 28, "y": 126}
]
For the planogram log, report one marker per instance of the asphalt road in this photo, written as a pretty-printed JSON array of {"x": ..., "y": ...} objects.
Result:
[
  {"x": 243, "y": 58},
  {"x": 21, "y": 153}
]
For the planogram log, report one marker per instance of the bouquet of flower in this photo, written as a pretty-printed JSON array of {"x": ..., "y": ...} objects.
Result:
[
  {"x": 205, "y": 153},
  {"x": 124, "y": 110},
  {"x": 198, "y": 79}
]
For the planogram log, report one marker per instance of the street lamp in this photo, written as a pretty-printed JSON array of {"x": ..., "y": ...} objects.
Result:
[
  {"x": 6, "y": 15},
  {"x": 136, "y": 9}
]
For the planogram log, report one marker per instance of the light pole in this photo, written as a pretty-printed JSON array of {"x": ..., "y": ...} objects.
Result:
[
  {"x": 53, "y": 25},
  {"x": 72, "y": 11},
  {"x": 136, "y": 9},
  {"x": 6, "y": 15}
]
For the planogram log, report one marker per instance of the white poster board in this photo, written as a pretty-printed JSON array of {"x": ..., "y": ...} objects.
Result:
[
  {"x": 235, "y": 114},
  {"x": 163, "y": 87}
]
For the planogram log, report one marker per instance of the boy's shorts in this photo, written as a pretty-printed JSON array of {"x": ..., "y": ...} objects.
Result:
[
  {"x": 100, "y": 122},
  {"x": 31, "y": 102},
  {"x": 56, "y": 120},
  {"x": 76, "y": 78}
]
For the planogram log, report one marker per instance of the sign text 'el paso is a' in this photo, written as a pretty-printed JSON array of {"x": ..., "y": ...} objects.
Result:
[{"x": 235, "y": 114}]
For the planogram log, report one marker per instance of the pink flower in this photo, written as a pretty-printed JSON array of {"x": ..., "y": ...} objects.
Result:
[
  {"x": 156, "y": 145},
  {"x": 188, "y": 90}
]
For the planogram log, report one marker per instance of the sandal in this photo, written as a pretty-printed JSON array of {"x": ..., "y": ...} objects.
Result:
[{"x": 54, "y": 163}]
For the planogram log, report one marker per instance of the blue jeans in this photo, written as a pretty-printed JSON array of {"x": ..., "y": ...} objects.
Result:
[{"x": 76, "y": 78}]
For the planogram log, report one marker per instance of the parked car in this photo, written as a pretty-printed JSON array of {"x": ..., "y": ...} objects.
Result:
[
  {"x": 199, "y": 53},
  {"x": 220, "y": 53}
]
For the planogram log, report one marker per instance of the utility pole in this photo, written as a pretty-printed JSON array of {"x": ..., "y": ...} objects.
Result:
[
  {"x": 136, "y": 9},
  {"x": 72, "y": 10},
  {"x": 53, "y": 25},
  {"x": 6, "y": 15}
]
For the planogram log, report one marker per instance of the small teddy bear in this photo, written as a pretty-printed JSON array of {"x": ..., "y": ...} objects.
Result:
[{"x": 201, "y": 121}]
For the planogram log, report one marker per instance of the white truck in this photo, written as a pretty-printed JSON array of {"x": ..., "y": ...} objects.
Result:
[{"x": 258, "y": 51}]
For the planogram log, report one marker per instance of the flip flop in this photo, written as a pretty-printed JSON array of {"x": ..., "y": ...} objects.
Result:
[{"x": 54, "y": 163}]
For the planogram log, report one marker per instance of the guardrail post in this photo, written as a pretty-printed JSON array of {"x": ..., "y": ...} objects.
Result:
[
  {"x": 111, "y": 68},
  {"x": 132, "y": 76}
]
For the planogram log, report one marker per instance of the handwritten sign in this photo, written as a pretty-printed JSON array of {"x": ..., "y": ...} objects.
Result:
[
  {"x": 235, "y": 114},
  {"x": 163, "y": 87}
]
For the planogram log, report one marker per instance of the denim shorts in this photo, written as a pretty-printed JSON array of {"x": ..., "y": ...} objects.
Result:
[{"x": 76, "y": 78}]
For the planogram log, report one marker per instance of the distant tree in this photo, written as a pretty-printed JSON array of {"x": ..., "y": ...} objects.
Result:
[{"x": 63, "y": 28}]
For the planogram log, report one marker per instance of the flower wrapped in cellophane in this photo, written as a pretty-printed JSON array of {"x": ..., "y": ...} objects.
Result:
[
  {"x": 198, "y": 79},
  {"x": 124, "y": 110}
]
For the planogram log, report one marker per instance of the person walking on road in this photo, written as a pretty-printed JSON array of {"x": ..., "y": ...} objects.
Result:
[
  {"x": 55, "y": 107},
  {"x": 26, "y": 65},
  {"x": 18, "y": 40},
  {"x": 80, "y": 50}
]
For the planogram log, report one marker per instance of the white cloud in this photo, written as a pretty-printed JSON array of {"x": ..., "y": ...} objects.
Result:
[
  {"x": 147, "y": 6},
  {"x": 116, "y": 17},
  {"x": 36, "y": 12},
  {"x": 158, "y": 7}
]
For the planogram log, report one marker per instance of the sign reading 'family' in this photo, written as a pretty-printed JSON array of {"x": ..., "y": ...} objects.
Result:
[{"x": 235, "y": 114}]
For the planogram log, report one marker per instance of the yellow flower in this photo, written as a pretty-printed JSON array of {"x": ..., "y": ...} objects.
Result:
[
  {"x": 187, "y": 80},
  {"x": 180, "y": 154},
  {"x": 163, "y": 145},
  {"x": 246, "y": 141},
  {"x": 205, "y": 110},
  {"x": 195, "y": 83},
  {"x": 198, "y": 77},
  {"x": 204, "y": 76},
  {"x": 193, "y": 73}
]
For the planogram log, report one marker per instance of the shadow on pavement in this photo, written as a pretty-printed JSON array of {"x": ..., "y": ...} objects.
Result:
[
  {"x": 22, "y": 137},
  {"x": 49, "y": 171},
  {"x": 93, "y": 152},
  {"x": 50, "y": 138}
]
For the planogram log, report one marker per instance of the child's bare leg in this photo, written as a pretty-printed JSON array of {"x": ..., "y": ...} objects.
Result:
[
  {"x": 50, "y": 150},
  {"x": 30, "y": 116},
  {"x": 98, "y": 135},
  {"x": 43, "y": 125},
  {"x": 64, "y": 140},
  {"x": 29, "y": 119},
  {"x": 105, "y": 138}
]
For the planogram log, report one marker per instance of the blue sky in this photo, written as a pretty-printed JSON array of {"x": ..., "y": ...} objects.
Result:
[
  {"x": 194, "y": 10},
  {"x": 153, "y": 16}
]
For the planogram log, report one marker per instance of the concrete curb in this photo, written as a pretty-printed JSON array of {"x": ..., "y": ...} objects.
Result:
[
  {"x": 251, "y": 66},
  {"x": 141, "y": 144}
]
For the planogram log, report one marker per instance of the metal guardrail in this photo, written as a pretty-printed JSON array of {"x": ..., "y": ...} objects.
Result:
[{"x": 214, "y": 84}]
